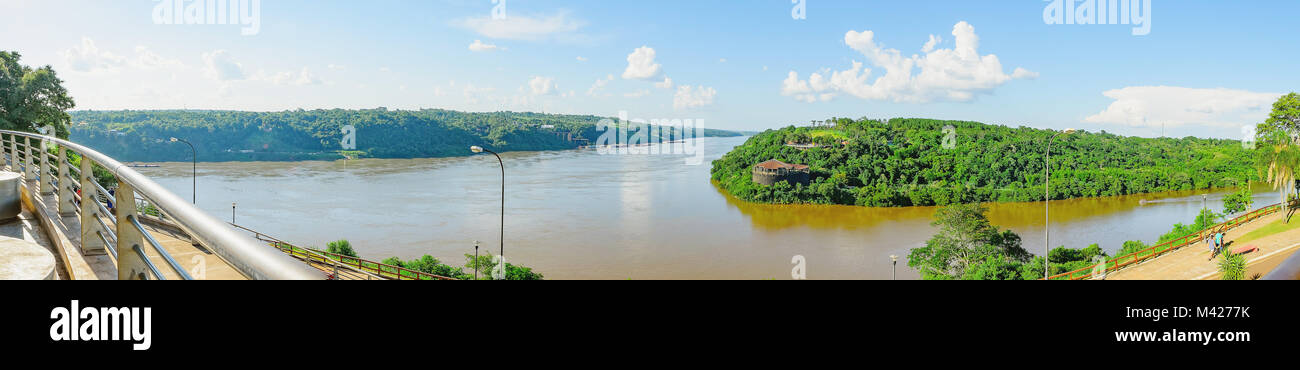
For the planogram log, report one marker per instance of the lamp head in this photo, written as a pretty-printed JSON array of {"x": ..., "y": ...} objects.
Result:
[
  {"x": 175, "y": 140},
  {"x": 893, "y": 258},
  {"x": 476, "y": 149}
]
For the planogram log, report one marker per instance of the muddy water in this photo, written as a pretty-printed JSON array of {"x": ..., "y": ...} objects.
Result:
[{"x": 581, "y": 215}]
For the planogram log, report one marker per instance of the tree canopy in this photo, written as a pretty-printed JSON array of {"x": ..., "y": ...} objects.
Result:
[
  {"x": 923, "y": 162},
  {"x": 31, "y": 98},
  {"x": 318, "y": 134}
]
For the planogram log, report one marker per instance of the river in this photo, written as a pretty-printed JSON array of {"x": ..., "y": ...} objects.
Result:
[{"x": 578, "y": 214}]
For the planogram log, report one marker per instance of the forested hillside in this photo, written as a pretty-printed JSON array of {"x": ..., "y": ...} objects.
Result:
[
  {"x": 317, "y": 134},
  {"x": 903, "y": 162}
]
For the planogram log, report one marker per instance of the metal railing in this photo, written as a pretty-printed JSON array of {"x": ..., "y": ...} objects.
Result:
[
  {"x": 1119, "y": 262},
  {"x": 79, "y": 193},
  {"x": 368, "y": 267}
]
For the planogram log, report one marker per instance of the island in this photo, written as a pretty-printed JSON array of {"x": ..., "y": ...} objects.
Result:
[{"x": 925, "y": 162}]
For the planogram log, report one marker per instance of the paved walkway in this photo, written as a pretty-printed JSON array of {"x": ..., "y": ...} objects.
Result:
[
  {"x": 199, "y": 262},
  {"x": 1193, "y": 262}
]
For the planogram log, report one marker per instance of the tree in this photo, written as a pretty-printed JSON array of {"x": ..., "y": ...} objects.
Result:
[
  {"x": 32, "y": 98},
  {"x": 965, "y": 239},
  {"x": 1279, "y": 156},
  {"x": 486, "y": 264},
  {"x": 341, "y": 247},
  {"x": 1239, "y": 201}
]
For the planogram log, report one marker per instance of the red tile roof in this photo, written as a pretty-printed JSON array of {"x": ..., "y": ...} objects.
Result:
[{"x": 777, "y": 165}]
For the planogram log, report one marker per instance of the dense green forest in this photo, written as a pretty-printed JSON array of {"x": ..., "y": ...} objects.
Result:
[
  {"x": 318, "y": 134},
  {"x": 905, "y": 162}
]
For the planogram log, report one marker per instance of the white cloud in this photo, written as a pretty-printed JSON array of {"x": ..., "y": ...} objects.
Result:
[
  {"x": 929, "y": 45},
  {"x": 1153, "y": 106},
  {"x": 474, "y": 95},
  {"x": 479, "y": 46},
  {"x": 543, "y": 86},
  {"x": 581, "y": 59},
  {"x": 599, "y": 85},
  {"x": 1023, "y": 74},
  {"x": 301, "y": 78},
  {"x": 522, "y": 27},
  {"x": 956, "y": 74},
  {"x": 723, "y": 60},
  {"x": 219, "y": 65},
  {"x": 336, "y": 67},
  {"x": 147, "y": 59},
  {"x": 687, "y": 98},
  {"x": 641, "y": 65},
  {"x": 87, "y": 57},
  {"x": 666, "y": 84},
  {"x": 637, "y": 94}
]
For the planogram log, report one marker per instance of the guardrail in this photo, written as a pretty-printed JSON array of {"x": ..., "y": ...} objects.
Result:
[
  {"x": 83, "y": 196},
  {"x": 1126, "y": 260},
  {"x": 358, "y": 264}
]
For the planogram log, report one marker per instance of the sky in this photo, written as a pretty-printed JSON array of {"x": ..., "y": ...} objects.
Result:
[{"x": 1180, "y": 68}]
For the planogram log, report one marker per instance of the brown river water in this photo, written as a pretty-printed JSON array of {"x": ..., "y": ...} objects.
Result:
[{"x": 581, "y": 215}]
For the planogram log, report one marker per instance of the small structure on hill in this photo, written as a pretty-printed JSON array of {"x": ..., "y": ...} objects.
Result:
[{"x": 774, "y": 171}]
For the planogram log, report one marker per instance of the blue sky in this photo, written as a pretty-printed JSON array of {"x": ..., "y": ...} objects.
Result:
[{"x": 1206, "y": 68}]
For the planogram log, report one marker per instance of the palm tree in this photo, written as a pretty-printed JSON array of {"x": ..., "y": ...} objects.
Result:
[{"x": 1280, "y": 138}]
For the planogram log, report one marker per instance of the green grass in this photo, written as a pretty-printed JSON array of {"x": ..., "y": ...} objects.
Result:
[
  {"x": 832, "y": 133},
  {"x": 1278, "y": 226}
]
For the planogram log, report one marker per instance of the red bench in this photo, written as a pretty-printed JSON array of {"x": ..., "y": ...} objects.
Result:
[{"x": 1246, "y": 249}]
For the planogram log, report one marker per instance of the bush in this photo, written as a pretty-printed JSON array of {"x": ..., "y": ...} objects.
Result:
[
  {"x": 1232, "y": 266},
  {"x": 341, "y": 247}
]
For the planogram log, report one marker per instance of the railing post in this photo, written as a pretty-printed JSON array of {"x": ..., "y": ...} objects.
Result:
[
  {"x": 90, "y": 242},
  {"x": 30, "y": 168},
  {"x": 4, "y": 153},
  {"x": 66, "y": 206},
  {"x": 46, "y": 187},
  {"x": 13, "y": 154},
  {"x": 130, "y": 265}
]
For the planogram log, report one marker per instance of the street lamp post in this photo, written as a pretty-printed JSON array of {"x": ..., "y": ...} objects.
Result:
[
  {"x": 479, "y": 149},
  {"x": 232, "y": 212},
  {"x": 893, "y": 268},
  {"x": 194, "y": 170},
  {"x": 1047, "y": 201},
  {"x": 476, "y": 260}
]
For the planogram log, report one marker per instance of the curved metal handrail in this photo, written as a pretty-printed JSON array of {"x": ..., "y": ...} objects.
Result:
[{"x": 248, "y": 256}]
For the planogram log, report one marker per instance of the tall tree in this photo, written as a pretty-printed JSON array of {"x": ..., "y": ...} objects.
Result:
[
  {"x": 965, "y": 238},
  {"x": 32, "y": 98},
  {"x": 1278, "y": 137}
]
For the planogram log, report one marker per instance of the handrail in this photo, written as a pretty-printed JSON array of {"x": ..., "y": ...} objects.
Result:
[
  {"x": 382, "y": 270},
  {"x": 246, "y": 255},
  {"x": 162, "y": 252},
  {"x": 324, "y": 259},
  {"x": 147, "y": 262},
  {"x": 1171, "y": 245}
]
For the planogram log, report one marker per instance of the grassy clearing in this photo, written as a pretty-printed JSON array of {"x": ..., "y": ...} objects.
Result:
[
  {"x": 838, "y": 135},
  {"x": 1275, "y": 227}
]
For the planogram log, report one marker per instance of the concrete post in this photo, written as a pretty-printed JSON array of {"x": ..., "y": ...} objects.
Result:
[
  {"x": 90, "y": 242},
  {"x": 30, "y": 172},
  {"x": 66, "y": 206},
  {"x": 130, "y": 264},
  {"x": 3, "y": 143},
  {"x": 13, "y": 154},
  {"x": 44, "y": 156}
]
